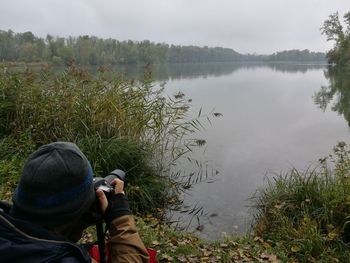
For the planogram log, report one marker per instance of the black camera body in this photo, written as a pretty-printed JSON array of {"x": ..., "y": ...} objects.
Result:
[
  {"x": 94, "y": 214},
  {"x": 104, "y": 183}
]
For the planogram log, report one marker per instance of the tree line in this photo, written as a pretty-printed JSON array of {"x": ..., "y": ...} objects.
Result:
[{"x": 91, "y": 50}]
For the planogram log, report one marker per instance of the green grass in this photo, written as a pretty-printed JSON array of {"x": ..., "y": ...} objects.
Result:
[
  {"x": 118, "y": 123},
  {"x": 307, "y": 214}
]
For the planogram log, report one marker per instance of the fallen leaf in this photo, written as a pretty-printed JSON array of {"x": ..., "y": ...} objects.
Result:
[
  {"x": 273, "y": 259},
  {"x": 167, "y": 257},
  {"x": 295, "y": 248},
  {"x": 223, "y": 245},
  {"x": 155, "y": 243},
  {"x": 332, "y": 235},
  {"x": 258, "y": 239},
  {"x": 181, "y": 258},
  {"x": 264, "y": 256},
  {"x": 266, "y": 245}
]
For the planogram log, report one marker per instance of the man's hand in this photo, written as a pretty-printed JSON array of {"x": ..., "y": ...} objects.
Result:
[
  {"x": 118, "y": 186},
  {"x": 118, "y": 189}
]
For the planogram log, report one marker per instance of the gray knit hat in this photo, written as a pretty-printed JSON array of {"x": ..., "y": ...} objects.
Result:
[{"x": 56, "y": 186}]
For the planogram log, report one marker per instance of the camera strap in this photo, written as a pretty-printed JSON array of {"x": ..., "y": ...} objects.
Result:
[{"x": 101, "y": 241}]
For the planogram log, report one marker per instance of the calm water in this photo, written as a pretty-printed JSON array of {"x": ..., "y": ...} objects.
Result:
[{"x": 270, "y": 124}]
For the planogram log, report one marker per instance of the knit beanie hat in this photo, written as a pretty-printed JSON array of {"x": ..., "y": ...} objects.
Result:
[{"x": 56, "y": 186}]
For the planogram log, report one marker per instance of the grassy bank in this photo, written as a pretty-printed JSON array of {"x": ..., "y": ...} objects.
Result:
[
  {"x": 175, "y": 246},
  {"x": 117, "y": 123},
  {"x": 307, "y": 214}
]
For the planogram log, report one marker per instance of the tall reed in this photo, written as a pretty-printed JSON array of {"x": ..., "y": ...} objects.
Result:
[
  {"x": 117, "y": 122},
  {"x": 308, "y": 213}
]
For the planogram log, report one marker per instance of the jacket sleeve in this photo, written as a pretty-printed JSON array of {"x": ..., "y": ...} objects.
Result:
[{"x": 125, "y": 243}]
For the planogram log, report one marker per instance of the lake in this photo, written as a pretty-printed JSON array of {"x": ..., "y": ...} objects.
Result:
[
  {"x": 270, "y": 118},
  {"x": 270, "y": 123}
]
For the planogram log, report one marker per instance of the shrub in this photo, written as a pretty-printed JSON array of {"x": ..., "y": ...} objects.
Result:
[
  {"x": 117, "y": 123},
  {"x": 308, "y": 213}
]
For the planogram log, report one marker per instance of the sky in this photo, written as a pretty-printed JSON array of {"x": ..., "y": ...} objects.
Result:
[{"x": 247, "y": 26}]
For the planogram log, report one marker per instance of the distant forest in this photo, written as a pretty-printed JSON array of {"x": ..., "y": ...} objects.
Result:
[{"x": 91, "y": 50}]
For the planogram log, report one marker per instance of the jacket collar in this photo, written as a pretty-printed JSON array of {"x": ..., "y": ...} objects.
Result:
[{"x": 20, "y": 231}]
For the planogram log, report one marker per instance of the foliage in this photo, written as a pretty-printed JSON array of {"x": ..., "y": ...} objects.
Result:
[
  {"x": 117, "y": 124},
  {"x": 12, "y": 156},
  {"x": 147, "y": 189},
  {"x": 90, "y": 50},
  {"x": 174, "y": 246},
  {"x": 307, "y": 214},
  {"x": 334, "y": 31},
  {"x": 297, "y": 55},
  {"x": 336, "y": 95}
]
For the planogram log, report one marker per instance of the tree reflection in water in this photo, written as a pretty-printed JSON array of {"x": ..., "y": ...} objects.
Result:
[{"x": 337, "y": 94}]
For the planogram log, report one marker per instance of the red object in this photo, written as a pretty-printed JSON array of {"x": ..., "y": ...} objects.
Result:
[
  {"x": 152, "y": 255},
  {"x": 95, "y": 254}
]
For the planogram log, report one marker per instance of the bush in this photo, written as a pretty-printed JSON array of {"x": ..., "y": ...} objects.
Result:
[
  {"x": 308, "y": 213},
  {"x": 146, "y": 189},
  {"x": 12, "y": 156},
  {"x": 117, "y": 123}
]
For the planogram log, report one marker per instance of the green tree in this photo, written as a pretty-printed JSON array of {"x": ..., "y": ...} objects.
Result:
[
  {"x": 7, "y": 46},
  {"x": 28, "y": 52},
  {"x": 334, "y": 31}
]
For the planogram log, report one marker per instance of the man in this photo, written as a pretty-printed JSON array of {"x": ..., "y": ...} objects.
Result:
[{"x": 50, "y": 210}]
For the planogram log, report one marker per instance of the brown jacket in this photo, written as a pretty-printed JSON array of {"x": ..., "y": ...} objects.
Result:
[{"x": 125, "y": 243}]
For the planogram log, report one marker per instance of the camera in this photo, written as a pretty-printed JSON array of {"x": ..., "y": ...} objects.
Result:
[{"x": 104, "y": 183}]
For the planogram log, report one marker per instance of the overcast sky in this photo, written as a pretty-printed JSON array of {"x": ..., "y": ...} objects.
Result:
[{"x": 247, "y": 26}]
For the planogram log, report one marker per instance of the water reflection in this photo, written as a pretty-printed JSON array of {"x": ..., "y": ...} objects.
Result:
[
  {"x": 163, "y": 72},
  {"x": 336, "y": 94},
  {"x": 270, "y": 124}
]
